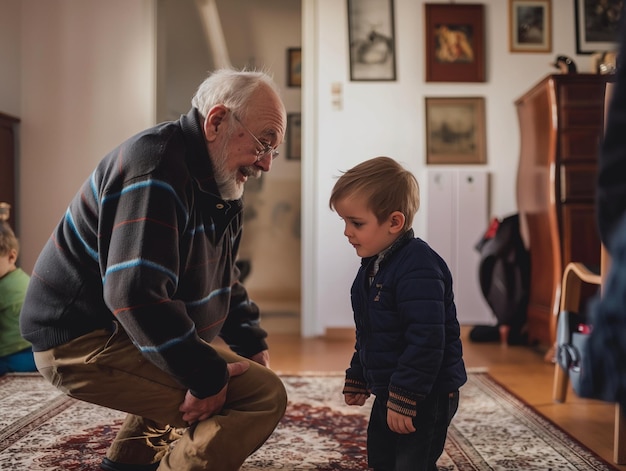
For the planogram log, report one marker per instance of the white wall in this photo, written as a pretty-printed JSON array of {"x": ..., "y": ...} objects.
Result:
[
  {"x": 10, "y": 57},
  {"x": 387, "y": 118},
  {"x": 87, "y": 82}
]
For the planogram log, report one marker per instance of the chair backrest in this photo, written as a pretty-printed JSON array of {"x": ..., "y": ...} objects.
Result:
[
  {"x": 605, "y": 259},
  {"x": 605, "y": 264}
]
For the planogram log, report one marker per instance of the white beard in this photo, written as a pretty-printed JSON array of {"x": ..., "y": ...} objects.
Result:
[{"x": 227, "y": 182}]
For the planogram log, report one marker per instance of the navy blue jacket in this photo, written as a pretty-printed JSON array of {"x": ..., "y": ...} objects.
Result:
[{"x": 407, "y": 334}]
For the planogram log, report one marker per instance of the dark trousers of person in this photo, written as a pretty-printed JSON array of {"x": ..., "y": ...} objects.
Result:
[{"x": 417, "y": 451}]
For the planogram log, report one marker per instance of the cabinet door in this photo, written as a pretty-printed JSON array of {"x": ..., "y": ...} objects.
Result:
[{"x": 457, "y": 218}]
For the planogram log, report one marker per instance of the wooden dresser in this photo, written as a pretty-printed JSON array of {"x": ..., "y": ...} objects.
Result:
[
  {"x": 8, "y": 139},
  {"x": 561, "y": 122}
]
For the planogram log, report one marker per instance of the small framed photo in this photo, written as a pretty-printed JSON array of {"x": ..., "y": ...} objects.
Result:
[
  {"x": 597, "y": 25},
  {"x": 371, "y": 39},
  {"x": 294, "y": 67},
  {"x": 530, "y": 25},
  {"x": 294, "y": 141},
  {"x": 455, "y": 44},
  {"x": 455, "y": 130}
]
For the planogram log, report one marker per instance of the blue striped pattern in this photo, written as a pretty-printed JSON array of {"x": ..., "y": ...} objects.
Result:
[{"x": 148, "y": 242}]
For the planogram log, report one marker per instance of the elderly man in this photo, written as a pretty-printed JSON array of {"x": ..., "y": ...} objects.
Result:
[{"x": 139, "y": 277}]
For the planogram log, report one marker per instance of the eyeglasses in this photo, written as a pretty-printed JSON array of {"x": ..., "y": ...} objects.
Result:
[{"x": 266, "y": 149}]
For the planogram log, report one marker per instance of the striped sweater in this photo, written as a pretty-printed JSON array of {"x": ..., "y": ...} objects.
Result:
[{"x": 148, "y": 242}]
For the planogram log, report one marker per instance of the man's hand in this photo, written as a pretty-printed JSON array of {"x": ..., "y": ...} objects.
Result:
[
  {"x": 195, "y": 409},
  {"x": 262, "y": 358},
  {"x": 353, "y": 399},
  {"x": 399, "y": 423}
]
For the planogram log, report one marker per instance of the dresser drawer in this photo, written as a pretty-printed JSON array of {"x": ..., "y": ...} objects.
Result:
[
  {"x": 583, "y": 116},
  {"x": 578, "y": 183},
  {"x": 581, "y": 93},
  {"x": 579, "y": 144}
]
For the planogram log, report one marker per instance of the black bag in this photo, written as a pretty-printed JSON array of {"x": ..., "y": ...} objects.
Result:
[
  {"x": 572, "y": 334},
  {"x": 504, "y": 275}
]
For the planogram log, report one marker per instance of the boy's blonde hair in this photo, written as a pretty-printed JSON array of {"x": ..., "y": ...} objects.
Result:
[
  {"x": 385, "y": 185},
  {"x": 8, "y": 241}
]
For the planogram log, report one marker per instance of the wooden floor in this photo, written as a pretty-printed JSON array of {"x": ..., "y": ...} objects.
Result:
[{"x": 522, "y": 370}]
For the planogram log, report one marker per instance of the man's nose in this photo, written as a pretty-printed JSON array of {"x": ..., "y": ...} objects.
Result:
[{"x": 265, "y": 163}]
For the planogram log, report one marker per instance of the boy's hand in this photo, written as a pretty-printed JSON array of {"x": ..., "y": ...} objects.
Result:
[
  {"x": 353, "y": 399},
  {"x": 399, "y": 423}
]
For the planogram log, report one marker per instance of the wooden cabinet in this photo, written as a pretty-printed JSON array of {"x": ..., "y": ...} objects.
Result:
[
  {"x": 561, "y": 124},
  {"x": 8, "y": 129}
]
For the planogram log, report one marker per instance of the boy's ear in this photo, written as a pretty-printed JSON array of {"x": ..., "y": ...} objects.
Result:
[{"x": 396, "y": 222}]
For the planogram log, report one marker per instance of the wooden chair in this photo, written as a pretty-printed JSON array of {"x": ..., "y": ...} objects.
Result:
[{"x": 575, "y": 276}]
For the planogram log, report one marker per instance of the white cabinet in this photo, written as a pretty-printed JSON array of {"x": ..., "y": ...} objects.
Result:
[{"x": 457, "y": 217}]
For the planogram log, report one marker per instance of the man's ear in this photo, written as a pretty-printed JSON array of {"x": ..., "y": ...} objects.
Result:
[
  {"x": 396, "y": 222},
  {"x": 214, "y": 119}
]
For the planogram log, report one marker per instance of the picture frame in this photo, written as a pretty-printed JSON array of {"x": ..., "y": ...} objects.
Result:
[
  {"x": 294, "y": 67},
  {"x": 294, "y": 140},
  {"x": 371, "y": 38},
  {"x": 530, "y": 25},
  {"x": 597, "y": 25},
  {"x": 455, "y": 43},
  {"x": 455, "y": 130}
]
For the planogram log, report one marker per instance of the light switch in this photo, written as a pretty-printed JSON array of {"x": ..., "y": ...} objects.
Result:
[{"x": 336, "y": 96}]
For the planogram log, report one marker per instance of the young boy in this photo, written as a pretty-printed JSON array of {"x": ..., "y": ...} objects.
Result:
[
  {"x": 408, "y": 348},
  {"x": 15, "y": 352}
]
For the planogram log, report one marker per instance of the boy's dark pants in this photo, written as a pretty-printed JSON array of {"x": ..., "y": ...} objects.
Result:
[{"x": 417, "y": 451}]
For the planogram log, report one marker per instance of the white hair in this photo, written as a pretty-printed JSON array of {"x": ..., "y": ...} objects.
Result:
[{"x": 232, "y": 88}]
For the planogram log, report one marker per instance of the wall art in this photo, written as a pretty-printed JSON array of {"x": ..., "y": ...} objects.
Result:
[
  {"x": 372, "y": 40},
  {"x": 294, "y": 67},
  {"x": 294, "y": 141},
  {"x": 530, "y": 25},
  {"x": 597, "y": 25},
  {"x": 455, "y": 45},
  {"x": 455, "y": 130}
]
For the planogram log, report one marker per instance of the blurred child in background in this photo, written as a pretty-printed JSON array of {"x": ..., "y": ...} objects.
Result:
[{"x": 15, "y": 353}]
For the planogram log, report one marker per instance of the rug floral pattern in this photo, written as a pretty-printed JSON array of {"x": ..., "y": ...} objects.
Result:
[{"x": 44, "y": 430}]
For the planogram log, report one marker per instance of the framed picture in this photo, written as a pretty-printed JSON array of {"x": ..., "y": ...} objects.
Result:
[
  {"x": 294, "y": 142},
  {"x": 455, "y": 130},
  {"x": 455, "y": 44},
  {"x": 371, "y": 40},
  {"x": 597, "y": 25},
  {"x": 294, "y": 67},
  {"x": 530, "y": 25}
]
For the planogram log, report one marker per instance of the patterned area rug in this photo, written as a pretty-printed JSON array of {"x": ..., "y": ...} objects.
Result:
[{"x": 41, "y": 429}]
